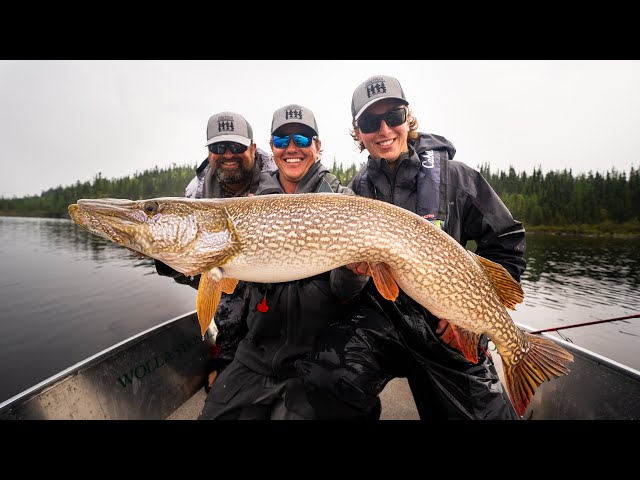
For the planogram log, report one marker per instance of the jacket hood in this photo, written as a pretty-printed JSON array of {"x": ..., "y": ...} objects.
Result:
[{"x": 429, "y": 141}]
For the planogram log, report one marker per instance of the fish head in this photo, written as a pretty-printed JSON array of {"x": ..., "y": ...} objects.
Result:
[{"x": 189, "y": 235}]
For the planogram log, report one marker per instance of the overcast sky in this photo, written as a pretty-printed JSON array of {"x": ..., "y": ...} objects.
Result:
[{"x": 64, "y": 121}]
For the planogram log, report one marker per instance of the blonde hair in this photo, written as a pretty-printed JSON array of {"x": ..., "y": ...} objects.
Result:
[{"x": 413, "y": 128}]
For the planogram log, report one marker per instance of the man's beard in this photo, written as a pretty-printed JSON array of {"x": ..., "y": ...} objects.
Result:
[{"x": 241, "y": 175}]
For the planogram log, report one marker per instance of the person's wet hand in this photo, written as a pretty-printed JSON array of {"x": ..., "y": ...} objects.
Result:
[
  {"x": 446, "y": 336},
  {"x": 359, "y": 268}
]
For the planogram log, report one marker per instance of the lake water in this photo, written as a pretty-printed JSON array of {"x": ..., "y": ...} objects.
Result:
[{"x": 66, "y": 294}]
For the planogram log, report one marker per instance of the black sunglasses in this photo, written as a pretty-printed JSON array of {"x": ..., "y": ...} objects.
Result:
[
  {"x": 221, "y": 147},
  {"x": 301, "y": 141},
  {"x": 393, "y": 118}
]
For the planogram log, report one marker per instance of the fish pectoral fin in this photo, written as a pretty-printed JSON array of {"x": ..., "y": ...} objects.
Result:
[
  {"x": 467, "y": 342},
  {"x": 384, "y": 281},
  {"x": 229, "y": 285},
  {"x": 209, "y": 293},
  {"x": 509, "y": 291}
]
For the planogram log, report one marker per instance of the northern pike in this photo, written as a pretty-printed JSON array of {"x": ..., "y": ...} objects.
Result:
[{"x": 285, "y": 237}]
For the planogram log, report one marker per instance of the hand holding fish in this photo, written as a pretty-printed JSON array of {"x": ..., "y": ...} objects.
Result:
[
  {"x": 359, "y": 268},
  {"x": 446, "y": 335}
]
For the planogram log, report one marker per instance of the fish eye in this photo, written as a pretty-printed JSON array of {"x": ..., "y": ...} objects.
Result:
[{"x": 151, "y": 208}]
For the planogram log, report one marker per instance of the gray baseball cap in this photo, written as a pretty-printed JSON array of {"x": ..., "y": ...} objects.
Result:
[
  {"x": 293, "y": 114},
  {"x": 374, "y": 89},
  {"x": 229, "y": 127}
]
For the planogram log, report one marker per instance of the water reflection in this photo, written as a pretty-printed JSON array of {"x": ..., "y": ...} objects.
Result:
[
  {"x": 53, "y": 236},
  {"x": 586, "y": 271},
  {"x": 557, "y": 258}
]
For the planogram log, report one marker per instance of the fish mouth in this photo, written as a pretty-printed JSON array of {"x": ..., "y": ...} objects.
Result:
[{"x": 93, "y": 216}]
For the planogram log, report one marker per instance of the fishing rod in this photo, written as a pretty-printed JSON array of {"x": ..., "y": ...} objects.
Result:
[{"x": 586, "y": 323}]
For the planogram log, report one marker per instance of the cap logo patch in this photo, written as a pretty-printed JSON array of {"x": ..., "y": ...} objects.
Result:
[
  {"x": 225, "y": 124},
  {"x": 293, "y": 113},
  {"x": 376, "y": 87}
]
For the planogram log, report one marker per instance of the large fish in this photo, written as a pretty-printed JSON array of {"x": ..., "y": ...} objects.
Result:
[{"x": 278, "y": 238}]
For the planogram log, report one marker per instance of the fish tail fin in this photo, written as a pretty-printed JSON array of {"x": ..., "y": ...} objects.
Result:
[{"x": 543, "y": 361}]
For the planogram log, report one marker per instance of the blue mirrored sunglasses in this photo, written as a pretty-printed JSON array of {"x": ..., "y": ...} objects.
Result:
[
  {"x": 301, "y": 141},
  {"x": 221, "y": 147}
]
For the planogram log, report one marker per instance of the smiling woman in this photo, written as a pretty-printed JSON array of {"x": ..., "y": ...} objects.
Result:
[{"x": 295, "y": 144}]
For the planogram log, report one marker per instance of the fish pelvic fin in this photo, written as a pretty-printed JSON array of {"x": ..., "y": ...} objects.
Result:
[
  {"x": 509, "y": 291},
  {"x": 210, "y": 290},
  {"x": 229, "y": 285},
  {"x": 384, "y": 281},
  {"x": 543, "y": 361},
  {"x": 467, "y": 342}
]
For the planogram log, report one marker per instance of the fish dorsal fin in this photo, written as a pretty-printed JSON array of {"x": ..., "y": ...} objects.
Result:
[
  {"x": 509, "y": 291},
  {"x": 210, "y": 290},
  {"x": 384, "y": 281},
  {"x": 229, "y": 285},
  {"x": 467, "y": 341}
]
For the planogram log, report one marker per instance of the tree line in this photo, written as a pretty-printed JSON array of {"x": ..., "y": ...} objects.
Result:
[
  {"x": 556, "y": 199},
  {"x": 156, "y": 182}
]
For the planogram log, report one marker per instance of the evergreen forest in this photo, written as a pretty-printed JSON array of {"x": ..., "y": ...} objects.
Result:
[{"x": 558, "y": 201}]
